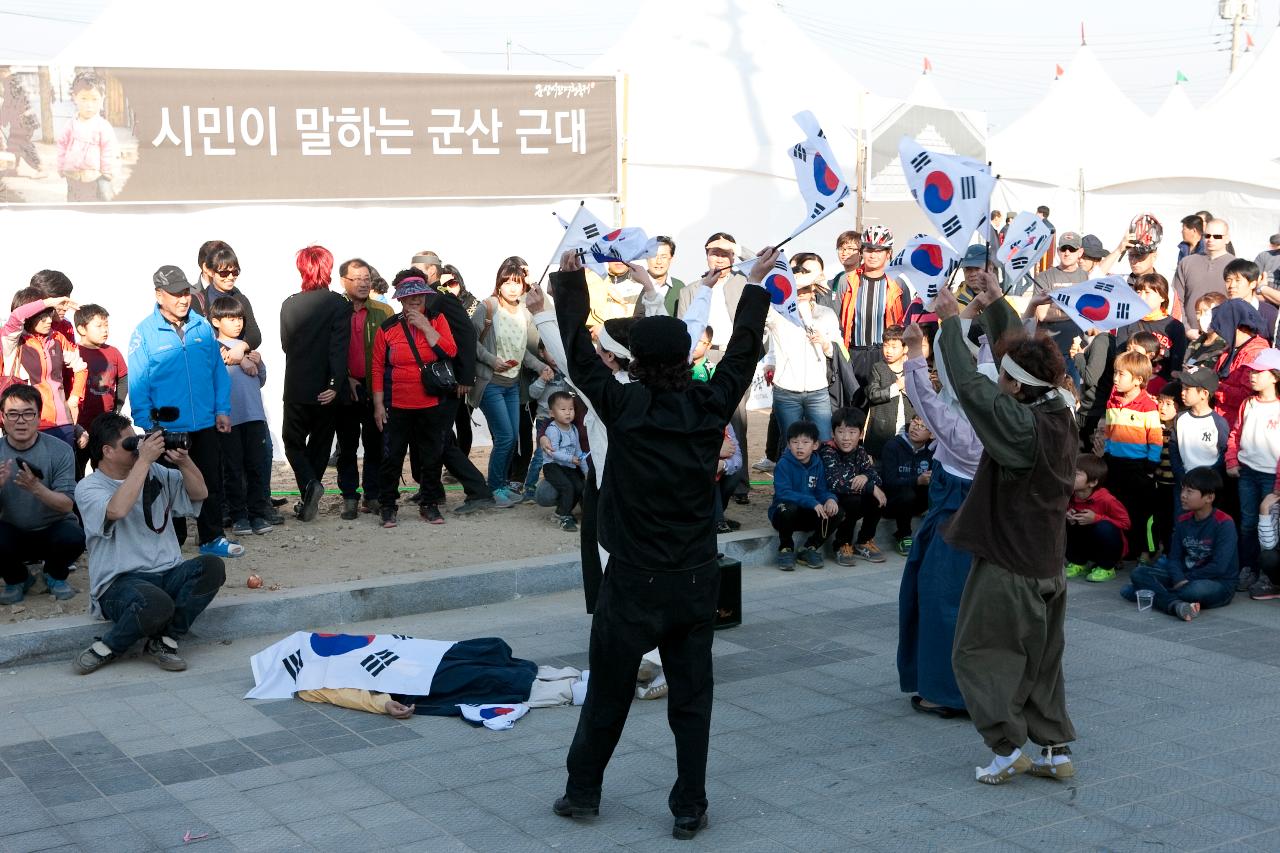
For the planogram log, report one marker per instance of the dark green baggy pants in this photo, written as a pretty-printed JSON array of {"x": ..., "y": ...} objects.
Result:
[{"x": 1008, "y": 657}]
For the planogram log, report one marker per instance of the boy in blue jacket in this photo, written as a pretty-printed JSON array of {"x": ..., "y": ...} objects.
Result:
[
  {"x": 801, "y": 499},
  {"x": 1200, "y": 570}
]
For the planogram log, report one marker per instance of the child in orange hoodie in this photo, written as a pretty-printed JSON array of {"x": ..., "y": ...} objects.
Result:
[{"x": 1096, "y": 522}]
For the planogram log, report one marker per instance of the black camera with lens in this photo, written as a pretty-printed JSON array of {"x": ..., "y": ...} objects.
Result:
[{"x": 172, "y": 440}]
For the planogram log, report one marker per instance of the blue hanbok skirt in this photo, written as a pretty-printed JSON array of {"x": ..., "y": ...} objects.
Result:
[{"x": 929, "y": 599}]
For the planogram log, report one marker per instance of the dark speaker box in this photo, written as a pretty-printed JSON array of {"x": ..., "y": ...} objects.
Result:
[{"x": 729, "y": 605}]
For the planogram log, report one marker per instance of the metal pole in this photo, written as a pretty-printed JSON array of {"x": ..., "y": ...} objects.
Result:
[{"x": 1236, "y": 20}]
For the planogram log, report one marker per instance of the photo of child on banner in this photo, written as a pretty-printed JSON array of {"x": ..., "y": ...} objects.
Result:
[
  {"x": 822, "y": 184},
  {"x": 1027, "y": 240},
  {"x": 927, "y": 262},
  {"x": 1104, "y": 304},
  {"x": 954, "y": 192}
]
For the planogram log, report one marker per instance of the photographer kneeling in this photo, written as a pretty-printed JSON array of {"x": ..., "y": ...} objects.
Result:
[{"x": 138, "y": 579}]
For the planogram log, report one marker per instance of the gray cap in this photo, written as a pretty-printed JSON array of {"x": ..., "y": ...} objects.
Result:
[
  {"x": 1092, "y": 247},
  {"x": 170, "y": 279},
  {"x": 1069, "y": 239},
  {"x": 976, "y": 256}
]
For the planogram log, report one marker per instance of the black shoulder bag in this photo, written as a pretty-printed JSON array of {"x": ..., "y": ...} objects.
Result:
[{"x": 437, "y": 377}]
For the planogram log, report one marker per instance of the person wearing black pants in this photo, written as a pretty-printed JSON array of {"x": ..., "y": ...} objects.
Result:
[
  {"x": 790, "y": 519},
  {"x": 569, "y": 484},
  {"x": 662, "y": 581},
  {"x": 355, "y": 427},
  {"x": 452, "y": 458},
  {"x": 423, "y": 427},
  {"x": 315, "y": 334},
  {"x": 1101, "y": 543},
  {"x": 865, "y": 506},
  {"x": 246, "y": 458}
]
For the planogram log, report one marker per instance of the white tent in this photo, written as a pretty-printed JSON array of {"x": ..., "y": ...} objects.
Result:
[{"x": 1246, "y": 102}]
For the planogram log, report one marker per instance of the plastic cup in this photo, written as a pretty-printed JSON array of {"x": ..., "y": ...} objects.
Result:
[{"x": 1145, "y": 599}]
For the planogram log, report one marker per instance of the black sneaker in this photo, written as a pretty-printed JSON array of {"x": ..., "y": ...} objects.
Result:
[
  {"x": 685, "y": 828},
  {"x": 164, "y": 651},
  {"x": 1247, "y": 579},
  {"x": 567, "y": 523},
  {"x": 786, "y": 559},
  {"x": 566, "y": 807},
  {"x": 350, "y": 509},
  {"x": 309, "y": 507},
  {"x": 811, "y": 557},
  {"x": 1264, "y": 590},
  {"x": 93, "y": 658},
  {"x": 274, "y": 517},
  {"x": 474, "y": 505},
  {"x": 740, "y": 500},
  {"x": 431, "y": 514},
  {"x": 369, "y": 505},
  {"x": 388, "y": 517},
  {"x": 722, "y": 527}
]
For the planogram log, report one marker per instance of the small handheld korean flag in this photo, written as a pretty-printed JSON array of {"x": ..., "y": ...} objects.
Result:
[
  {"x": 821, "y": 182},
  {"x": 954, "y": 192},
  {"x": 1104, "y": 304},
  {"x": 601, "y": 244},
  {"x": 927, "y": 262},
  {"x": 782, "y": 289},
  {"x": 1026, "y": 241}
]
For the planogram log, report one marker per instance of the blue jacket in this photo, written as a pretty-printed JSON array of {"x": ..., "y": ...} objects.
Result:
[
  {"x": 187, "y": 373},
  {"x": 800, "y": 485},
  {"x": 1203, "y": 550}
]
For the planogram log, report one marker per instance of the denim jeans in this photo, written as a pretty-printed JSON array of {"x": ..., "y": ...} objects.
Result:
[
  {"x": 535, "y": 463},
  {"x": 791, "y": 406},
  {"x": 152, "y": 604},
  {"x": 501, "y": 407},
  {"x": 1209, "y": 593},
  {"x": 1254, "y": 485}
]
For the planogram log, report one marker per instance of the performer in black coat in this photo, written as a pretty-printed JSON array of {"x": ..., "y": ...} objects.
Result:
[{"x": 656, "y": 521}]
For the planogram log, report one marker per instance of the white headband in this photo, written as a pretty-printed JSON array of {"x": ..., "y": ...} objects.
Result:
[
  {"x": 611, "y": 345},
  {"x": 1015, "y": 371}
]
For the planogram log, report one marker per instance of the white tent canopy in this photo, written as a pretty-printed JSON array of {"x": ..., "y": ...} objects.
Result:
[{"x": 1246, "y": 102}]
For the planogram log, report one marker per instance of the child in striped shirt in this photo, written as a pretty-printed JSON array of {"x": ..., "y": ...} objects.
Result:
[{"x": 1133, "y": 441}]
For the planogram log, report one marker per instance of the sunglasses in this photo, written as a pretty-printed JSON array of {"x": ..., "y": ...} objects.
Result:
[
  {"x": 231, "y": 273},
  {"x": 1068, "y": 248},
  {"x": 1215, "y": 236}
]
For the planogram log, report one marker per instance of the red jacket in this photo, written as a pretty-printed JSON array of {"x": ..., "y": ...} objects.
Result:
[
  {"x": 1234, "y": 390},
  {"x": 1105, "y": 506},
  {"x": 395, "y": 370}
]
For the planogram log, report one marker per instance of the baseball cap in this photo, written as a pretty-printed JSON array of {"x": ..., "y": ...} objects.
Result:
[
  {"x": 170, "y": 279},
  {"x": 975, "y": 256},
  {"x": 1198, "y": 376},
  {"x": 1070, "y": 239},
  {"x": 1268, "y": 359},
  {"x": 428, "y": 258},
  {"x": 1092, "y": 247}
]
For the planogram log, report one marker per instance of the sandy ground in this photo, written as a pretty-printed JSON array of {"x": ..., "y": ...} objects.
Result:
[{"x": 330, "y": 550}]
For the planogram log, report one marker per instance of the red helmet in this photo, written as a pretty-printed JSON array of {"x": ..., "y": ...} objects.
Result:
[{"x": 877, "y": 237}]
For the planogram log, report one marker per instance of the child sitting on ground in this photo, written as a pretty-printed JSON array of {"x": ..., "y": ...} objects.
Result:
[
  {"x": 1267, "y": 586},
  {"x": 906, "y": 466},
  {"x": 1132, "y": 445},
  {"x": 1200, "y": 569},
  {"x": 549, "y": 381},
  {"x": 1253, "y": 451},
  {"x": 801, "y": 499},
  {"x": 564, "y": 465},
  {"x": 891, "y": 411},
  {"x": 853, "y": 477},
  {"x": 1097, "y": 523}
]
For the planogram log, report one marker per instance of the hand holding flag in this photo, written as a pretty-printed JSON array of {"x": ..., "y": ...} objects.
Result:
[
  {"x": 600, "y": 244},
  {"x": 927, "y": 262},
  {"x": 954, "y": 192}
]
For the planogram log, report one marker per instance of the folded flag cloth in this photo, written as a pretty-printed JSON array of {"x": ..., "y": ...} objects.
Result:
[{"x": 495, "y": 717}]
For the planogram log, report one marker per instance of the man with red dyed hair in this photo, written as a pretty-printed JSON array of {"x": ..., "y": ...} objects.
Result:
[{"x": 315, "y": 333}]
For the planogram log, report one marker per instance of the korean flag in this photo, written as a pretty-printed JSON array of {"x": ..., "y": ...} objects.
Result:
[
  {"x": 781, "y": 285},
  {"x": 1026, "y": 241},
  {"x": 1104, "y": 304},
  {"x": 601, "y": 244},
  {"x": 954, "y": 192},
  {"x": 822, "y": 184},
  {"x": 927, "y": 262}
]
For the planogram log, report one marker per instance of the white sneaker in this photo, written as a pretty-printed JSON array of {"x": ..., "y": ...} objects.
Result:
[
  {"x": 763, "y": 465},
  {"x": 655, "y": 689}
]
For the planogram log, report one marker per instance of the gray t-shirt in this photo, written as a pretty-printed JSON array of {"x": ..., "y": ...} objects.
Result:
[
  {"x": 131, "y": 544},
  {"x": 1053, "y": 278},
  {"x": 54, "y": 458},
  {"x": 1269, "y": 263}
]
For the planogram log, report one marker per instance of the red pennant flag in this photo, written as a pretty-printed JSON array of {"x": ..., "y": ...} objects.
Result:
[
  {"x": 928, "y": 66},
  {"x": 1057, "y": 72},
  {"x": 1248, "y": 41}
]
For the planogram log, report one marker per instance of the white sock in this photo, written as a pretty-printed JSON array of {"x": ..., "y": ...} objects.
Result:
[{"x": 1001, "y": 763}]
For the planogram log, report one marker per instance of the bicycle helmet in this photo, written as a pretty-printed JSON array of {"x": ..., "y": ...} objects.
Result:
[
  {"x": 1147, "y": 233},
  {"x": 877, "y": 237}
]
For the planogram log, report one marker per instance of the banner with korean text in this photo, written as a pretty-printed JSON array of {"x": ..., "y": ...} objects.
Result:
[{"x": 137, "y": 135}]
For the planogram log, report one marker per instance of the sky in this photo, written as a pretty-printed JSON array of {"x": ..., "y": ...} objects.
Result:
[{"x": 993, "y": 56}]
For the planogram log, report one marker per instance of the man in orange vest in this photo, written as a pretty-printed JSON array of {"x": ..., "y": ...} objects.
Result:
[{"x": 871, "y": 302}]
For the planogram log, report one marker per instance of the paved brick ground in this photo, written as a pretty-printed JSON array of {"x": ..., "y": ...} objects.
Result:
[{"x": 813, "y": 746}]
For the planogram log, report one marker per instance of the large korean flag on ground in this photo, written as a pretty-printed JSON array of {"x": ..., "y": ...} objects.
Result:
[
  {"x": 927, "y": 262},
  {"x": 954, "y": 192},
  {"x": 821, "y": 182},
  {"x": 386, "y": 663},
  {"x": 1025, "y": 242},
  {"x": 1104, "y": 304}
]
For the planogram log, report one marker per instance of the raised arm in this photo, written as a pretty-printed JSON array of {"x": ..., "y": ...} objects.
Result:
[{"x": 581, "y": 364}]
